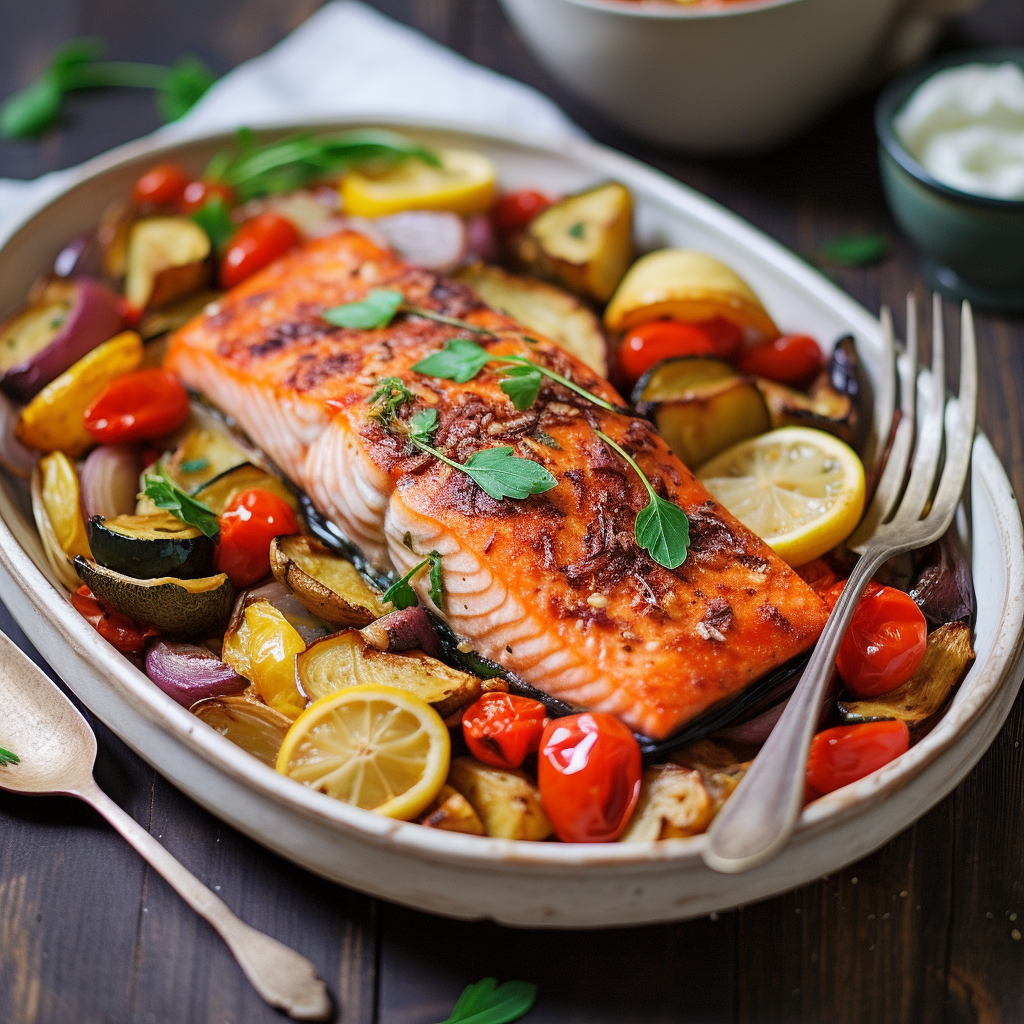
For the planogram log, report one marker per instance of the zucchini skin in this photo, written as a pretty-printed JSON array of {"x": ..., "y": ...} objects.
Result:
[{"x": 150, "y": 558}]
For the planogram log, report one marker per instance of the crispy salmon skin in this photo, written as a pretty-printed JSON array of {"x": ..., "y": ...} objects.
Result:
[{"x": 553, "y": 587}]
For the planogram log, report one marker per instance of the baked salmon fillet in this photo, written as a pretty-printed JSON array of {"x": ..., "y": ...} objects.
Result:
[{"x": 554, "y": 588}]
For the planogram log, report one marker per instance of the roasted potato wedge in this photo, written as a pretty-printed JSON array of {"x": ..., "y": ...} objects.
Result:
[
  {"x": 167, "y": 258},
  {"x": 452, "y": 812},
  {"x": 583, "y": 241},
  {"x": 507, "y": 802},
  {"x": 947, "y": 657},
  {"x": 253, "y": 726},
  {"x": 673, "y": 804},
  {"x": 719, "y": 767},
  {"x": 543, "y": 308},
  {"x": 346, "y": 659},
  {"x": 172, "y": 315},
  {"x": 328, "y": 585},
  {"x": 824, "y": 408}
]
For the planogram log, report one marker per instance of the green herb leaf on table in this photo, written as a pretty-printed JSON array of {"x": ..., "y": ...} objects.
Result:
[
  {"x": 378, "y": 309},
  {"x": 8, "y": 757},
  {"x": 401, "y": 594},
  {"x": 214, "y": 218},
  {"x": 504, "y": 475},
  {"x": 854, "y": 251},
  {"x": 166, "y": 494},
  {"x": 522, "y": 385},
  {"x": 183, "y": 87},
  {"x": 487, "y": 1002},
  {"x": 661, "y": 528}
]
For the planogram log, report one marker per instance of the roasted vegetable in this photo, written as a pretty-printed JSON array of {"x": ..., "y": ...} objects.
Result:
[
  {"x": 944, "y": 585},
  {"x": 584, "y": 241},
  {"x": 222, "y": 490},
  {"x": 110, "y": 480},
  {"x": 946, "y": 658},
  {"x": 202, "y": 455},
  {"x": 168, "y": 257},
  {"x": 452, "y": 812},
  {"x": 543, "y": 308},
  {"x": 690, "y": 286},
  {"x": 407, "y": 629},
  {"x": 146, "y": 547},
  {"x": 52, "y": 421},
  {"x": 824, "y": 408},
  {"x": 253, "y": 727},
  {"x": 56, "y": 509},
  {"x": 346, "y": 659},
  {"x": 701, "y": 406},
  {"x": 14, "y": 456},
  {"x": 261, "y": 645},
  {"x": 328, "y": 585},
  {"x": 673, "y": 804},
  {"x": 61, "y": 323},
  {"x": 507, "y": 802},
  {"x": 178, "y": 608},
  {"x": 172, "y": 315},
  {"x": 112, "y": 237},
  {"x": 431, "y": 239},
  {"x": 189, "y": 673},
  {"x": 309, "y": 626}
]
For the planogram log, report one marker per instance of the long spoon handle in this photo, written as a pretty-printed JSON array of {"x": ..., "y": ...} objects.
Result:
[{"x": 281, "y": 976}]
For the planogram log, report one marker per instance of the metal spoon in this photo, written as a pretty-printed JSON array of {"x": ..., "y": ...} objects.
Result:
[{"x": 57, "y": 750}]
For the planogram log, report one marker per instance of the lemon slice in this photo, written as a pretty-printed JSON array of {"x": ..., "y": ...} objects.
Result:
[
  {"x": 375, "y": 747},
  {"x": 800, "y": 490},
  {"x": 465, "y": 183}
]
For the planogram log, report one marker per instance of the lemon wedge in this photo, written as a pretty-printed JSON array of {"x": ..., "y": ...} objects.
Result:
[
  {"x": 375, "y": 747},
  {"x": 800, "y": 490},
  {"x": 465, "y": 183}
]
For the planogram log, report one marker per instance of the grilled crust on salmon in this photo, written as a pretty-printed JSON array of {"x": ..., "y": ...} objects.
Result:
[{"x": 554, "y": 588}]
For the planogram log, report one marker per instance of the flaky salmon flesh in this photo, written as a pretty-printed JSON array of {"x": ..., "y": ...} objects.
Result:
[{"x": 555, "y": 587}]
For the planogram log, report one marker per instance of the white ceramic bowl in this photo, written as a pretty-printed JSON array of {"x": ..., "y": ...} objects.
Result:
[
  {"x": 730, "y": 78},
  {"x": 537, "y": 884}
]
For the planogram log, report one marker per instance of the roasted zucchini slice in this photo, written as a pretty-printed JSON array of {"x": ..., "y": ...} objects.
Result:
[
  {"x": 146, "y": 547},
  {"x": 328, "y": 585},
  {"x": 824, "y": 408},
  {"x": 190, "y": 609},
  {"x": 222, "y": 490},
  {"x": 202, "y": 455}
]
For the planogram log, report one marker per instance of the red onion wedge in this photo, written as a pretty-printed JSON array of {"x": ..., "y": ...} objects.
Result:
[
  {"x": 435, "y": 241},
  {"x": 109, "y": 481},
  {"x": 67, "y": 319},
  {"x": 408, "y": 629},
  {"x": 14, "y": 456},
  {"x": 188, "y": 673},
  {"x": 480, "y": 239},
  {"x": 79, "y": 256}
]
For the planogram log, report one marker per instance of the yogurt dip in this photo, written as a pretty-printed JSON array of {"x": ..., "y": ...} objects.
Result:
[{"x": 965, "y": 126}]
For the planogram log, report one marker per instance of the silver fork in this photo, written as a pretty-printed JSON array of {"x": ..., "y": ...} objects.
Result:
[{"x": 759, "y": 818}]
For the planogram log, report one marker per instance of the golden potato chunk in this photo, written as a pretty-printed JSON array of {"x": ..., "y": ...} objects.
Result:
[
  {"x": 452, "y": 812},
  {"x": 507, "y": 801}
]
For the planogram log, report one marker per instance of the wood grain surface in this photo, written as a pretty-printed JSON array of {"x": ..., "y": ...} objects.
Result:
[{"x": 927, "y": 929}]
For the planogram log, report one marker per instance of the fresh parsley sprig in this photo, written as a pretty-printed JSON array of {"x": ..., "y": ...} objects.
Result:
[
  {"x": 461, "y": 360},
  {"x": 401, "y": 594},
  {"x": 8, "y": 757},
  {"x": 487, "y": 1002},
  {"x": 166, "y": 494},
  {"x": 661, "y": 527}
]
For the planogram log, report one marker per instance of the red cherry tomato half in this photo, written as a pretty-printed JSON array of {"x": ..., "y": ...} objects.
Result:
[
  {"x": 197, "y": 193},
  {"x": 792, "y": 359},
  {"x": 500, "y": 729},
  {"x": 662, "y": 339},
  {"x": 255, "y": 244},
  {"x": 139, "y": 406},
  {"x": 588, "y": 772},
  {"x": 117, "y": 629},
  {"x": 514, "y": 211},
  {"x": 849, "y": 752},
  {"x": 885, "y": 641},
  {"x": 725, "y": 336},
  {"x": 249, "y": 523},
  {"x": 162, "y": 186}
]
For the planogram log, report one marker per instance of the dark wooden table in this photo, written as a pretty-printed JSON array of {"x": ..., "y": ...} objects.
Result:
[{"x": 926, "y": 929}]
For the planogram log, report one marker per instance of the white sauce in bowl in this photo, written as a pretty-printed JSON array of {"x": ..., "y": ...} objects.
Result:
[{"x": 965, "y": 126}]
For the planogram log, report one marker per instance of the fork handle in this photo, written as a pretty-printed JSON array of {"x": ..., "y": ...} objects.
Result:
[
  {"x": 758, "y": 819},
  {"x": 281, "y": 976}
]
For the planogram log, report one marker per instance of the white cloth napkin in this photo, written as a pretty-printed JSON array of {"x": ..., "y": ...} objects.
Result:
[{"x": 348, "y": 59}]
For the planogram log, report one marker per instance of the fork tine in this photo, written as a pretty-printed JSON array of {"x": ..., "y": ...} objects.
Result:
[
  {"x": 890, "y": 483},
  {"x": 885, "y": 398},
  {"x": 961, "y": 417},
  {"x": 929, "y": 439}
]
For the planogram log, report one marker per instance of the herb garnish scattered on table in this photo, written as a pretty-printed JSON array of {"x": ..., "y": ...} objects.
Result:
[
  {"x": 166, "y": 494},
  {"x": 854, "y": 251},
  {"x": 8, "y": 757},
  {"x": 487, "y": 1002},
  {"x": 30, "y": 111},
  {"x": 401, "y": 595}
]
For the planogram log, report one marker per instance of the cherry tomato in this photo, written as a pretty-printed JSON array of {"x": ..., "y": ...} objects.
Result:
[
  {"x": 139, "y": 406},
  {"x": 162, "y": 186},
  {"x": 885, "y": 641},
  {"x": 255, "y": 244},
  {"x": 515, "y": 210},
  {"x": 662, "y": 339},
  {"x": 197, "y": 193},
  {"x": 792, "y": 359},
  {"x": 588, "y": 772},
  {"x": 500, "y": 729},
  {"x": 249, "y": 523},
  {"x": 725, "y": 335},
  {"x": 117, "y": 629},
  {"x": 129, "y": 314},
  {"x": 818, "y": 574},
  {"x": 847, "y": 753}
]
